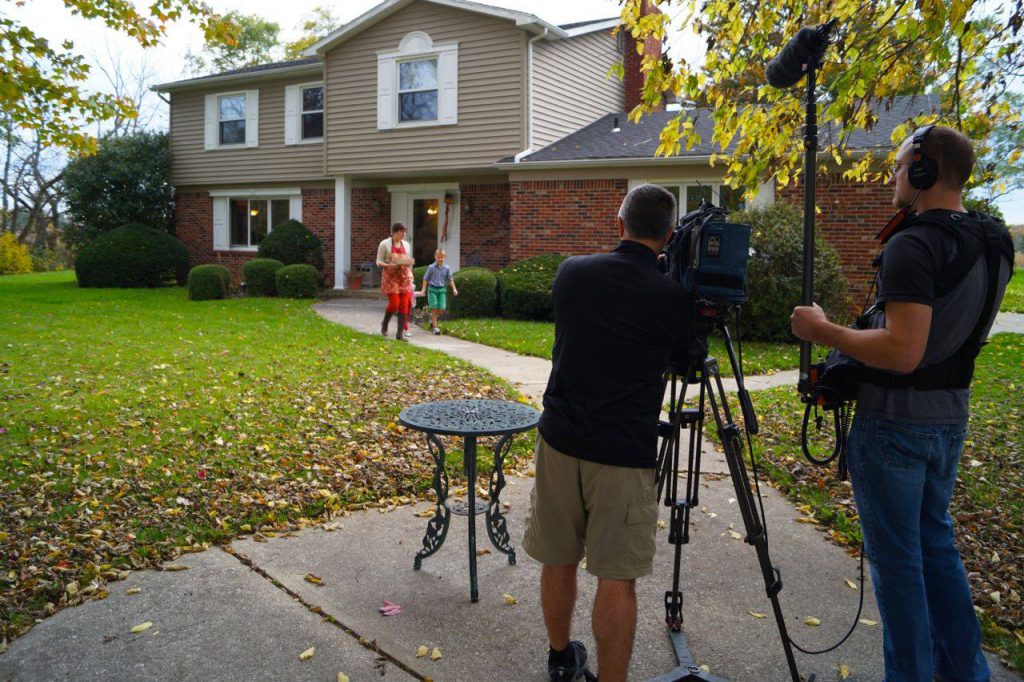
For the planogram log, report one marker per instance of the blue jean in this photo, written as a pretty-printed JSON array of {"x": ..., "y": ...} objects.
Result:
[{"x": 903, "y": 476}]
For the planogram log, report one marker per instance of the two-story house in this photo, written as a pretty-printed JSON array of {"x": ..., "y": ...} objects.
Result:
[{"x": 489, "y": 132}]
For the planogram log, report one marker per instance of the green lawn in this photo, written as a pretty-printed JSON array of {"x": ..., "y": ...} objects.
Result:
[
  {"x": 988, "y": 503},
  {"x": 135, "y": 424},
  {"x": 536, "y": 339},
  {"x": 1013, "y": 301}
]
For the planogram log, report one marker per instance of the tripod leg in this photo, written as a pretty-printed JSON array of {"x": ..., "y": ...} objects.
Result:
[{"x": 732, "y": 440}]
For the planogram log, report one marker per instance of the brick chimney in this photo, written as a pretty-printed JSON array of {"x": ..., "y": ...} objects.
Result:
[{"x": 633, "y": 79}]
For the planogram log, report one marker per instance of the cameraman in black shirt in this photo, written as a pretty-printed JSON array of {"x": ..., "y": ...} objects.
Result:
[
  {"x": 912, "y": 405},
  {"x": 618, "y": 321}
]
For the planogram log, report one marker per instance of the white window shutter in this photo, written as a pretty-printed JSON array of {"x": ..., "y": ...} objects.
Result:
[
  {"x": 211, "y": 121},
  {"x": 448, "y": 86},
  {"x": 292, "y": 102},
  {"x": 221, "y": 226},
  {"x": 386, "y": 101},
  {"x": 295, "y": 208},
  {"x": 252, "y": 118}
]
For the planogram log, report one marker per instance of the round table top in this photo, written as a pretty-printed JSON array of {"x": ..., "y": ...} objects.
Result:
[{"x": 470, "y": 417}]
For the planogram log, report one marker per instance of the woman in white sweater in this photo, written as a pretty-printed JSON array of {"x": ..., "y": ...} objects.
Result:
[{"x": 394, "y": 257}]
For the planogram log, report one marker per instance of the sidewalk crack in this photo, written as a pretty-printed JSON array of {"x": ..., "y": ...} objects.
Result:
[{"x": 370, "y": 644}]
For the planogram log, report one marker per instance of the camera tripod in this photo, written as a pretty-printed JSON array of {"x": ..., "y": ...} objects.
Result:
[{"x": 700, "y": 369}]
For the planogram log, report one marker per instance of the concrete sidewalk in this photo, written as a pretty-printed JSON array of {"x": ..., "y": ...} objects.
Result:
[{"x": 246, "y": 612}]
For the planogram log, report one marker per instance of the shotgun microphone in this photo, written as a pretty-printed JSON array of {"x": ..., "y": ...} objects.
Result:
[{"x": 805, "y": 48}]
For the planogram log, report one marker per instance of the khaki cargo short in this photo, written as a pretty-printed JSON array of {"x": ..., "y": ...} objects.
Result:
[{"x": 608, "y": 513}]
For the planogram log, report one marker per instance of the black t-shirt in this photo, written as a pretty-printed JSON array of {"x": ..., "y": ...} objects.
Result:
[
  {"x": 618, "y": 322},
  {"x": 912, "y": 264}
]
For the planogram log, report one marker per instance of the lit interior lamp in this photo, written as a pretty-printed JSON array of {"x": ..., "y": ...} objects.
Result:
[
  {"x": 432, "y": 210},
  {"x": 254, "y": 212}
]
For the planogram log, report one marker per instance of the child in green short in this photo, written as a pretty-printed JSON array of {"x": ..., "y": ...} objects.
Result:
[{"x": 435, "y": 285}]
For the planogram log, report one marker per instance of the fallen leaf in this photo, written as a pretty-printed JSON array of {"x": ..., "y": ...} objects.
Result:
[
  {"x": 342, "y": 677},
  {"x": 807, "y": 519},
  {"x": 868, "y": 621},
  {"x": 852, "y": 585},
  {"x": 811, "y": 620},
  {"x": 661, "y": 524},
  {"x": 509, "y": 599},
  {"x": 481, "y": 552},
  {"x": 844, "y": 672},
  {"x": 435, "y": 654},
  {"x": 389, "y": 608},
  {"x": 175, "y": 567},
  {"x": 307, "y": 654},
  {"x": 315, "y": 579},
  {"x": 133, "y": 590},
  {"x": 142, "y": 627},
  {"x": 734, "y": 535},
  {"x": 421, "y": 651},
  {"x": 1019, "y": 635},
  {"x": 755, "y": 614}
]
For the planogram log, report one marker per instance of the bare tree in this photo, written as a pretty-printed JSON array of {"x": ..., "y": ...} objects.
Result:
[
  {"x": 128, "y": 81},
  {"x": 31, "y": 193}
]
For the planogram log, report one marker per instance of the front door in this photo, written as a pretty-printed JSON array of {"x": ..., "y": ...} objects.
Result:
[
  {"x": 425, "y": 212},
  {"x": 433, "y": 223}
]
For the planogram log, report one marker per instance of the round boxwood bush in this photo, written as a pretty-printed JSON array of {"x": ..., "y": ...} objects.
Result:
[
  {"x": 775, "y": 272},
  {"x": 524, "y": 287},
  {"x": 292, "y": 243},
  {"x": 297, "y": 281},
  {"x": 478, "y": 293},
  {"x": 260, "y": 276},
  {"x": 133, "y": 255},
  {"x": 208, "y": 282}
]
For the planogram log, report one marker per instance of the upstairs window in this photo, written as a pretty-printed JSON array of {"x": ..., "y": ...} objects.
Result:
[
  {"x": 313, "y": 112},
  {"x": 304, "y": 113},
  {"x": 417, "y": 90},
  {"x": 232, "y": 119},
  {"x": 418, "y": 84}
]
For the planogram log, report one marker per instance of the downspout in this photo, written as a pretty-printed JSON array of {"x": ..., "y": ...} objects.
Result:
[{"x": 529, "y": 96}]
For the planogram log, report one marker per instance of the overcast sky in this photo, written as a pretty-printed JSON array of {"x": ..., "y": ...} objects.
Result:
[{"x": 166, "y": 63}]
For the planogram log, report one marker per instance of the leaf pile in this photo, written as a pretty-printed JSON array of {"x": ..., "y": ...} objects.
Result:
[
  {"x": 136, "y": 425},
  {"x": 988, "y": 501}
]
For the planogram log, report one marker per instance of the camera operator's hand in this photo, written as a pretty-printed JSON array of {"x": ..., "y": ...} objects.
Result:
[{"x": 807, "y": 320}]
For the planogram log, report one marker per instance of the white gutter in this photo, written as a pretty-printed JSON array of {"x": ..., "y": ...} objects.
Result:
[
  {"x": 529, "y": 95},
  {"x": 641, "y": 161}
]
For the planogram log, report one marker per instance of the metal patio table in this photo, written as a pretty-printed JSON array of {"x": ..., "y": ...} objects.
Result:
[{"x": 469, "y": 419}]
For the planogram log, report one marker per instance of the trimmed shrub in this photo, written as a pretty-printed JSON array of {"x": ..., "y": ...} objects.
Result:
[
  {"x": 478, "y": 293},
  {"x": 775, "y": 273},
  {"x": 132, "y": 255},
  {"x": 15, "y": 258},
  {"x": 208, "y": 282},
  {"x": 260, "y": 275},
  {"x": 293, "y": 244},
  {"x": 524, "y": 287},
  {"x": 297, "y": 281},
  {"x": 48, "y": 260}
]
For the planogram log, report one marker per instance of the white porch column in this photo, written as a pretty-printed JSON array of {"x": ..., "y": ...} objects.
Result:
[{"x": 342, "y": 229}]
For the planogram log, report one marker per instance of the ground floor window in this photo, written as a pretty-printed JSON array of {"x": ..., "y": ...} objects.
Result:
[
  {"x": 254, "y": 219},
  {"x": 688, "y": 195}
]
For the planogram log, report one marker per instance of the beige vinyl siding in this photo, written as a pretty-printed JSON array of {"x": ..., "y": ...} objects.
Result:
[
  {"x": 570, "y": 87},
  {"x": 271, "y": 161},
  {"x": 490, "y": 96}
]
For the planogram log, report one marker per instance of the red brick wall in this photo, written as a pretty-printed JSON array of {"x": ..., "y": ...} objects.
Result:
[
  {"x": 564, "y": 216},
  {"x": 851, "y": 214},
  {"x": 371, "y": 222},
  {"x": 632, "y": 76},
  {"x": 193, "y": 223},
  {"x": 318, "y": 216},
  {"x": 484, "y": 225}
]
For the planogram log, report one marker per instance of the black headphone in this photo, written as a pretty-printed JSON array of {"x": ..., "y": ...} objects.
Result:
[{"x": 923, "y": 172}]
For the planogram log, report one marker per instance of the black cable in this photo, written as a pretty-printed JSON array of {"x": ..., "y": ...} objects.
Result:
[{"x": 856, "y": 619}]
